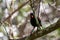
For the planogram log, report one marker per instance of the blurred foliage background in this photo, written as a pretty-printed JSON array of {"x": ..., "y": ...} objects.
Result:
[{"x": 18, "y": 25}]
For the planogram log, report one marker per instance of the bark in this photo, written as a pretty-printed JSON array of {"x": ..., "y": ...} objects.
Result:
[{"x": 42, "y": 32}]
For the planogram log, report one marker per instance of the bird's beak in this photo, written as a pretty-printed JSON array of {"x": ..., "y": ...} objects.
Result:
[{"x": 32, "y": 16}]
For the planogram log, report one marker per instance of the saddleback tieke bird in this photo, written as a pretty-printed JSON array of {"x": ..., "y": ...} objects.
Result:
[{"x": 33, "y": 21}]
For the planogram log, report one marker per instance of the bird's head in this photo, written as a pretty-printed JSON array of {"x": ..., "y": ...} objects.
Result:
[{"x": 31, "y": 15}]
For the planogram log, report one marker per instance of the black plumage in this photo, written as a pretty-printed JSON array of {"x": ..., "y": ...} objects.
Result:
[{"x": 33, "y": 21}]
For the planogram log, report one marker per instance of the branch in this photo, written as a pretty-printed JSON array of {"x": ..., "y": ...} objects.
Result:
[
  {"x": 43, "y": 32},
  {"x": 52, "y": 6},
  {"x": 15, "y": 11}
]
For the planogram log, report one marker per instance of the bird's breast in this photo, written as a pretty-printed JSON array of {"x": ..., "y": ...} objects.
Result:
[{"x": 33, "y": 22}]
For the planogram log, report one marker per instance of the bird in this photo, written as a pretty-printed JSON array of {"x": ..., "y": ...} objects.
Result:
[{"x": 33, "y": 22}]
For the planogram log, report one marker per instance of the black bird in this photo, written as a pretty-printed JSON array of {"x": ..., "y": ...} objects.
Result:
[{"x": 33, "y": 21}]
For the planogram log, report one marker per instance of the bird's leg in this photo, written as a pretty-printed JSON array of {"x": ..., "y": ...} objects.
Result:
[
  {"x": 38, "y": 29},
  {"x": 32, "y": 31}
]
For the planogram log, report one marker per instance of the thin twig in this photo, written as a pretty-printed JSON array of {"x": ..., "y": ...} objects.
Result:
[{"x": 16, "y": 10}]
